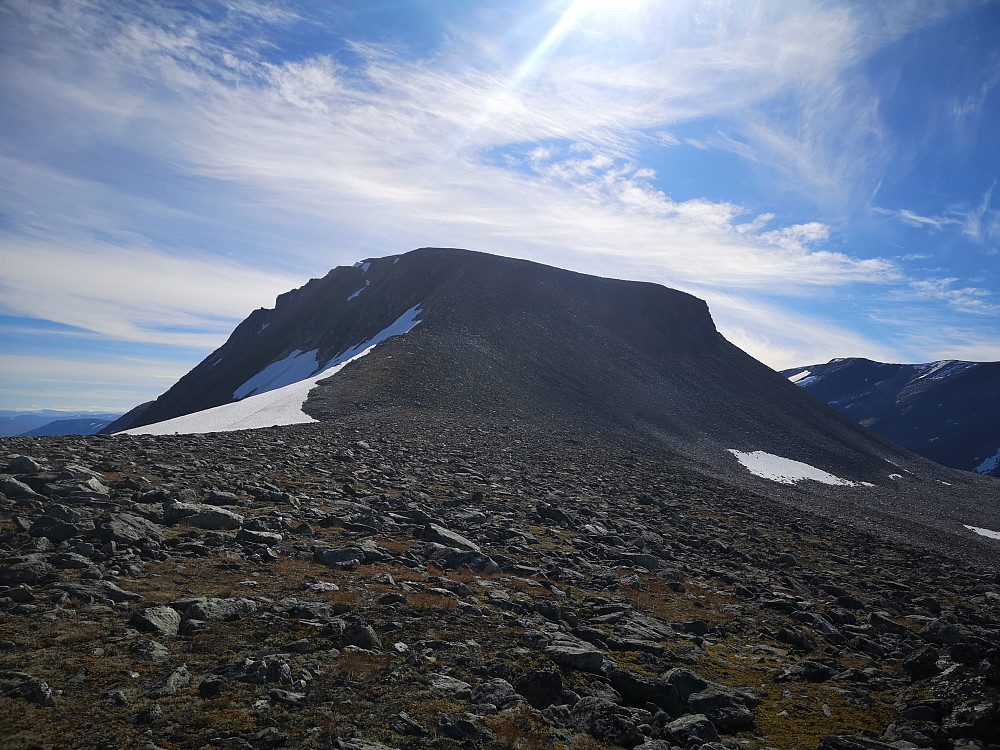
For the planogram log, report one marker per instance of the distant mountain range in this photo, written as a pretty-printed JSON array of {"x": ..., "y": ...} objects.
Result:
[
  {"x": 947, "y": 411},
  {"x": 52, "y": 422}
]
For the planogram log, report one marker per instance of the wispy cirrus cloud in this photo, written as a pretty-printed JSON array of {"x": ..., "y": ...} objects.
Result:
[
  {"x": 184, "y": 167},
  {"x": 132, "y": 294}
]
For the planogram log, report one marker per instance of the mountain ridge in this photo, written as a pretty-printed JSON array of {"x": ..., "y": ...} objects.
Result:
[{"x": 946, "y": 410}]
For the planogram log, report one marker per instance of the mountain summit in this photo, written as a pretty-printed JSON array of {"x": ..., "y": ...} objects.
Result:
[{"x": 450, "y": 335}]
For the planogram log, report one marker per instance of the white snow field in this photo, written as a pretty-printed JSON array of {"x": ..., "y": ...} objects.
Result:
[
  {"x": 295, "y": 367},
  {"x": 989, "y": 464},
  {"x": 983, "y": 532},
  {"x": 784, "y": 470},
  {"x": 280, "y": 406}
]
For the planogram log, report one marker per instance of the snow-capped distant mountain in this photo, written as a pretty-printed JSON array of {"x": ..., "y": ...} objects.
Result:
[
  {"x": 52, "y": 422},
  {"x": 947, "y": 411},
  {"x": 89, "y": 425}
]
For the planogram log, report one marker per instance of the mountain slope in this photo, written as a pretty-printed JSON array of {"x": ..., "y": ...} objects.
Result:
[
  {"x": 947, "y": 411},
  {"x": 504, "y": 341},
  {"x": 89, "y": 425}
]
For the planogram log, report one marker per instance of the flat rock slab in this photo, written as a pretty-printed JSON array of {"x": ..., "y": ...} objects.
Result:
[
  {"x": 582, "y": 658},
  {"x": 127, "y": 528},
  {"x": 220, "y": 610}
]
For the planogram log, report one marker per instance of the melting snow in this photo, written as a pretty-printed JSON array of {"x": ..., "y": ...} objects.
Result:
[
  {"x": 989, "y": 464},
  {"x": 983, "y": 532},
  {"x": 277, "y": 407},
  {"x": 784, "y": 470},
  {"x": 291, "y": 369},
  {"x": 944, "y": 368},
  {"x": 367, "y": 284}
]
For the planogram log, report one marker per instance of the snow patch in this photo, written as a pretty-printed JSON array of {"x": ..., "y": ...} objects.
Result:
[
  {"x": 281, "y": 406},
  {"x": 895, "y": 476},
  {"x": 363, "y": 266},
  {"x": 291, "y": 369},
  {"x": 367, "y": 284},
  {"x": 989, "y": 464},
  {"x": 983, "y": 532},
  {"x": 799, "y": 376},
  {"x": 394, "y": 262},
  {"x": 262, "y": 327},
  {"x": 784, "y": 470},
  {"x": 944, "y": 368}
]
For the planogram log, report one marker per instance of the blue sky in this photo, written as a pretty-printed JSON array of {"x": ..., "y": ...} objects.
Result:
[{"x": 824, "y": 174}]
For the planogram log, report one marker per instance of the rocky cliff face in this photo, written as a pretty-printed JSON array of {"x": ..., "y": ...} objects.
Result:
[{"x": 947, "y": 411}]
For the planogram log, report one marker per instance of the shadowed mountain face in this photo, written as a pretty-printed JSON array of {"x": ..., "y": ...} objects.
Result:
[
  {"x": 946, "y": 411},
  {"x": 505, "y": 341}
]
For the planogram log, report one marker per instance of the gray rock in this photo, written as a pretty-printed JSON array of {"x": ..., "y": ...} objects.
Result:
[
  {"x": 162, "y": 620},
  {"x": 349, "y": 557},
  {"x": 24, "y": 686},
  {"x": 685, "y": 681},
  {"x": 606, "y": 721},
  {"x": 24, "y": 465},
  {"x": 942, "y": 633},
  {"x": 810, "y": 671},
  {"x": 432, "y": 532},
  {"x": 362, "y": 636},
  {"x": 497, "y": 692},
  {"x": 69, "y": 561},
  {"x": 202, "y": 516},
  {"x": 692, "y": 730},
  {"x": 169, "y": 685},
  {"x": 217, "y": 497},
  {"x": 29, "y": 569},
  {"x": 246, "y": 536},
  {"x": 54, "y": 529},
  {"x": 728, "y": 710},
  {"x": 89, "y": 590},
  {"x": 269, "y": 669},
  {"x": 852, "y": 742},
  {"x": 220, "y": 610},
  {"x": 541, "y": 687},
  {"x": 127, "y": 528},
  {"x": 151, "y": 651},
  {"x": 583, "y": 657},
  {"x": 447, "y": 684},
  {"x": 16, "y": 489},
  {"x": 638, "y": 690}
]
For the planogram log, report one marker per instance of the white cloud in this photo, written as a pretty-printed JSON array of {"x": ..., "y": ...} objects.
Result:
[
  {"x": 133, "y": 294},
  {"x": 459, "y": 149},
  {"x": 110, "y": 383},
  {"x": 973, "y": 300}
]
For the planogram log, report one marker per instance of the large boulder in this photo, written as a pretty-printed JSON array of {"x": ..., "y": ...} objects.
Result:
[
  {"x": 212, "y": 609},
  {"x": 127, "y": 528},
  {"x": 606, "y": 721}
]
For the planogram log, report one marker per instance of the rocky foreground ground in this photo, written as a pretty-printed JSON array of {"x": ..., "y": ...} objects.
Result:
[{"x": 359, "y": 588}]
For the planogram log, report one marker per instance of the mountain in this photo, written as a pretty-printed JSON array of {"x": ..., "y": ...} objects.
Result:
[
  {"x": 89, "y": 425},
  {"x": 488, "y": 503},
  {"x": 77, "y": 423},
  {"x": 478, "y": 339},
  {"x": 947, "y": 411}
]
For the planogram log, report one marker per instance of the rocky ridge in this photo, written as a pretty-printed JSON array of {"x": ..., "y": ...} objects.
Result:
[
  {"x": 456, "y": 586},
  {"x": 945, "y": 411}
]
